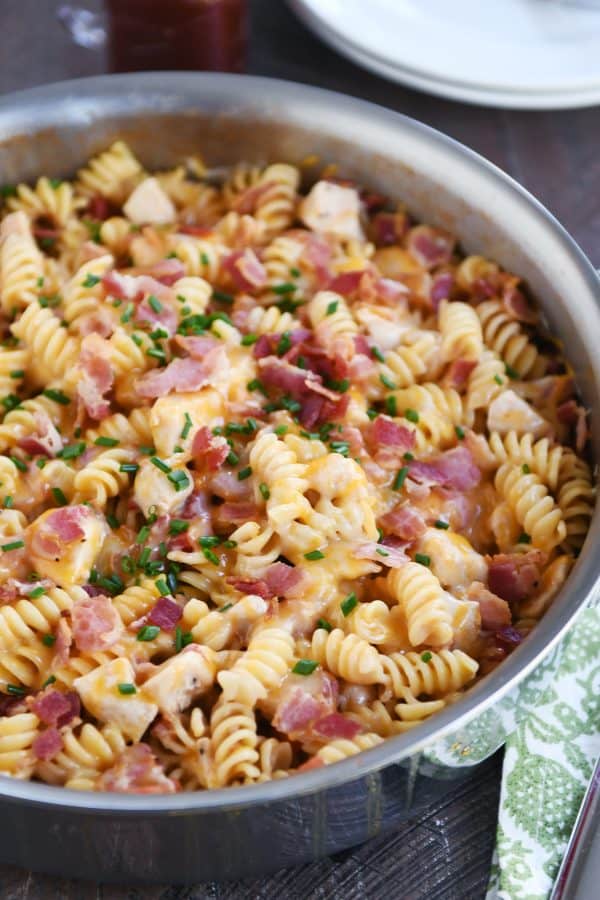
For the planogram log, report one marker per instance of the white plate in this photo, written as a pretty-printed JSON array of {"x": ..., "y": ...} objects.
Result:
[{"x": 526, "y": 53}]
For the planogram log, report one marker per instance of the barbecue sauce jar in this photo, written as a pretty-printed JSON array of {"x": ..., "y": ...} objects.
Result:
[{"x": 177, "y": 34}]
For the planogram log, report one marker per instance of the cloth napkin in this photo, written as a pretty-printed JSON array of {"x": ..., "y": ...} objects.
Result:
[{"x": 548, "y": 762}]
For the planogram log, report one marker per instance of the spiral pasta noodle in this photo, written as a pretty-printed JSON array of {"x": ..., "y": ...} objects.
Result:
[{"x": 267, "y": 466}]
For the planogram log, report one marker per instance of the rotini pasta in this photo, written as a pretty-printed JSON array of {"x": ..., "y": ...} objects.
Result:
[{"x": 265, "y": 499}]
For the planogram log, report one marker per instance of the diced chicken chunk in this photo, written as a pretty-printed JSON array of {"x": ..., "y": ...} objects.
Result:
[
  {"x": 508, "y": 412},
  {"x": 182, "y": 678},
  {"x": 64, "y": 543},
  {"x": 99, "y": 691},
  {"x": 332, "y": 209},
  {"x": 15, "y": 223},
  {"x": 168, "y": 419},
  {"x": 154, "y": 488},
  {"x": 453, "y": 560},
  {"x": 149, "y": 205}
]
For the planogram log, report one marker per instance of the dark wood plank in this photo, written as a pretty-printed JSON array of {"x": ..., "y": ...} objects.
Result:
[{"x": 444, "y": 855}]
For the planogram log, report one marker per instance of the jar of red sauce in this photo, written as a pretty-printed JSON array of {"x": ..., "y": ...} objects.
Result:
[{"x": 177, "y": 34}]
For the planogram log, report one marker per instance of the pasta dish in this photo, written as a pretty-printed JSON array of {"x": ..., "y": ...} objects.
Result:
[{"x": 282, "y": 472}]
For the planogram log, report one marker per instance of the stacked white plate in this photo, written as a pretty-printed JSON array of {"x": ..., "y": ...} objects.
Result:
[{"x": 536, "y": 54}]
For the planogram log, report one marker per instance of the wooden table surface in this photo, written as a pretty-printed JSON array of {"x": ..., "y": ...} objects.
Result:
[{"x": 446, "y": 854}]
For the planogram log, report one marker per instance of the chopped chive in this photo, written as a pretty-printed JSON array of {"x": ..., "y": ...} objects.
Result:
[
  {"x": 127, "y": 313},
  {"x": 284, "y": 344},
  {"x": 72, "y": 451},
  {"x": 182, "y": 639},
  {"x": 178, "y": 526},
  {"x": 162, "y": 587},
  {"x": 412, "y": 415},
  {"x": 229, "y": 544},
  {"x": 155, "y": 304},
  {"x": 17, "y": 373},
  {"x": 90, "y": 281},
  {"x": 187, "y": 426},
  {"x": 49, "y": 640},
  {"x": 211, "y": 556},
  {"x": 21, "y": 466},
  {"x": 323, "y": 623},
  {"x": 36, "y": 592},
  {"x": 340, "y": 386},
  {"x": 143, "y": 534},
  {"x": 11, "y": 401},
  {"x": 222, "y": 297},
  {"x": 59, "y": 496},
  {"x": 524, "y": 538},
  {"x": 113, "y": 521},
  {"x": 427, "y": 656},
  {"x": 264, "y": 490},
  {"x": 127, "y": 688},
  {"x": 498, "y": 380},
  {"x": 144, "y": 558},
  {"x": 147, "y": 451},
  {"x": 400, "y": 478},
  {"x": 244, "y": 473},
  {"x": 12, "y": 545},
  {"x": 106, "y": 442},
  {"x": 342, "y": 447},
  {"x": 350, "y": 603},
  {"x": 286, "y": 287},
  {"x": 55, "y": 183},
  {"x": 225, "y": 608},
  {"x": 512, "y": 373},
  {"x": 281, "y": 429},
  {"x": 391, "y": 406},
  {"x": 372, "y": 414},
  {"x": 381, "y": 551},
  {"x": 156, "y": 352},
  {"x": 16, "y": 690},
  {"x": 305, "y": 667},
  {"x": 376, "y": 352},
  {"x": 423, "y": 559},
  {"x": 332, "y": 307},
  {"x": 232, "y": 458},
  {"x": 8, "y": 502},
  {"x": 147, "y": 633},
  {"x": 49, "y": 680},
  {"x": 256, "y": 385},
  {"x": 179, "y": 479},
  {"x": 160, "y": 464},
  {"x": 525, "y": 469},
  {"x": 439, "y": 523},
  {"x": 387, "y": 382},
  {"x": 209, "y": 540},
  {"x": 248, "y": 340},
  {"x": 314, "y": 554},
  {"x": 204, "y": 258},
  {"x": 128, "y": 467},
  {"x": 57, "y": 396},
  {"x": 408, "y": 456},
  {"x": 460, "y": 432}
]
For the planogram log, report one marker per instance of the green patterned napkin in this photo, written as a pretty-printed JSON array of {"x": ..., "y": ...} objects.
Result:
[{"x": 548, "y": 762}]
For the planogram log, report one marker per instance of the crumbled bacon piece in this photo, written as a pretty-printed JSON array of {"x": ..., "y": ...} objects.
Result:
[
  {"x": 430, "y": 246},
  {"x": 515, "y": 576},
  {"x": 165, "y": 613},
  {"x": 454, "y": 468},
  {"x": 495, "y": 612},
  {"x": 404, "y": 521},
  {"x": 54, "y": 707},
  {"x": 335, "y": 726},
  {"x": 245, "y": 270},
  {"x": 209, "y": 449},
  {"x": 182, "y": 374},
  {"x": 47, "y": 744},
  {"x": 96, "y": 624},
  {"x": 137, "y": 771}
]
